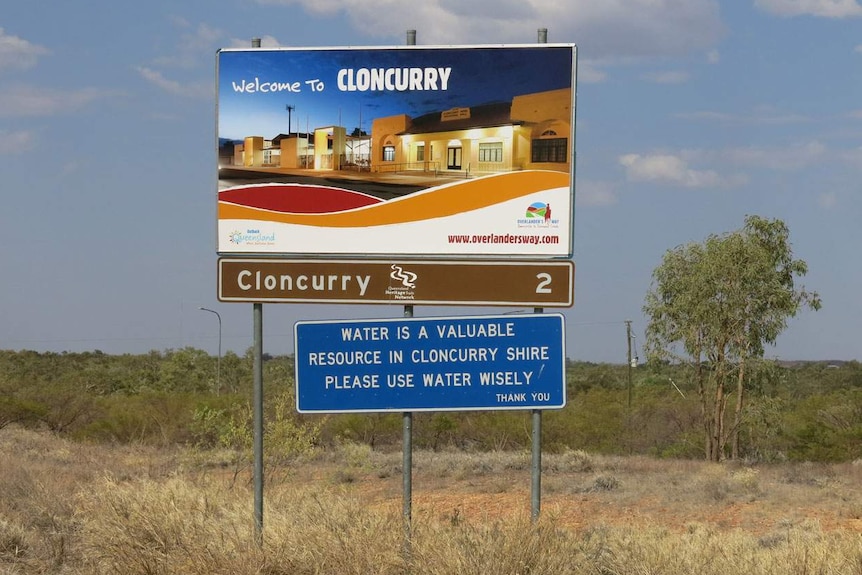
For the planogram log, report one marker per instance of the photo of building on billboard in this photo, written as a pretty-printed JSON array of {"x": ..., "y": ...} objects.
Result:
[{"x": 423, "y": 151}]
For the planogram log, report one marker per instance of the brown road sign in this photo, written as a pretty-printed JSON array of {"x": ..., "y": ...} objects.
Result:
[{"x": 409, "y": 282}]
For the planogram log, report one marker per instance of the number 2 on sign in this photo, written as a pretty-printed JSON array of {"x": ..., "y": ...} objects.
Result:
[{"x": 544, "y": 282}]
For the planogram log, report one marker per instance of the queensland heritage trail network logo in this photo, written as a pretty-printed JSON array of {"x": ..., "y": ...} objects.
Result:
[
  {"x": 538, "y": 215},
  {"x": 404, "y": 283}
]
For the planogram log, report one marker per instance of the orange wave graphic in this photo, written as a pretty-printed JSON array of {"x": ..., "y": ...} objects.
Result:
[{"x": 428, "y": 204}]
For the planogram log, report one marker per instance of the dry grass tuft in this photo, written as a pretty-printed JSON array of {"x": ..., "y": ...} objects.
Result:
[{"x": 76, "y": 509}]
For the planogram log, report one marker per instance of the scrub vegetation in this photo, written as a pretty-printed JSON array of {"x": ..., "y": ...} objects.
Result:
[
  {"x": 138, "y": 464},
  {"x": 807, "y": 411}
]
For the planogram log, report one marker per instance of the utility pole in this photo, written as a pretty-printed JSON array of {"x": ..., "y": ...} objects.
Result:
[
  {"x": 629, "y": 358},
  {"x": 218, "y": 361}
]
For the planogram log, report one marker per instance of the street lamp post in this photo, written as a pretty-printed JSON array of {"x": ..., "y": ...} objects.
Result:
[
  {"x": 290, "y": 110},
  {"x": 218, "y": 360}
]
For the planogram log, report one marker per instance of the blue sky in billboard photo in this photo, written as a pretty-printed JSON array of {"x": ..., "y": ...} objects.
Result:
[
  {"x": 467, "y": 81},
  {"x": 691, "y": 114}
]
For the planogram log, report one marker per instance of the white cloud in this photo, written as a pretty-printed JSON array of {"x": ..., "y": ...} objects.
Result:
[
  {"x": 16, "y": 52},
  {"x": 593, "y": 193},
  {"x": 16, "y": 142},
  {"x": 858, "y": 49},
  {"x": 763, "y": 116},
  {"x": 326, "y": 7},
  {"x": 611, "y": 29},
  {"x": 822, "y": 8},
  {"x": 783, "y": 159},
  {"x": 853, "y": 157},
  {"x": 589, "y": 74},
  {"x": 668, "y": 77},
  {"x": 71, "y": 167},
  {"x": 667, "y": 168},
  {"x": 175, "y": 87},
  {"x": 827, "y": 200},
  {"x": 195, "y": 46},
  {"x": 22, "y": 100},
  {"x": 507, "y": 9},
  {"x": 733, "y": 162}
]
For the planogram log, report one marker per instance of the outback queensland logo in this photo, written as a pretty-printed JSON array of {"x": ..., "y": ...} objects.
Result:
[
  {"x": 402, "y": 285},
  {"x": 538, "y": 215},
  {"x": 252, "y": 237}
]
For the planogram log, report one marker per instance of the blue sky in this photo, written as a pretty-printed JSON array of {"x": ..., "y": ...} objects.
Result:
[
  {"x": 474, "y": 76},
  {"x": 691, "y": 115}
]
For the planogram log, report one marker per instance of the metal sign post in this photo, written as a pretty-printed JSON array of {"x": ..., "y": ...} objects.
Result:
[
  {"x": 407, "y": 423},
  {"x": 536, "y": 464},
  {"x": 258, "y": 422},
  {"x": 257, "y": 368}
]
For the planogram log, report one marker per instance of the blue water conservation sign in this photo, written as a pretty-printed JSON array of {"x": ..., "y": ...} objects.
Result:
[{"x": 431, "y": 364}]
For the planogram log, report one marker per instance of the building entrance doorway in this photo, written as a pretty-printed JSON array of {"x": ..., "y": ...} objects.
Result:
[{"x": 453, "y": 159}]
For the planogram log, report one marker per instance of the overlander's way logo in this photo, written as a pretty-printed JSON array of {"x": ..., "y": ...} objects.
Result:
[{"x": 538, "y": 214}]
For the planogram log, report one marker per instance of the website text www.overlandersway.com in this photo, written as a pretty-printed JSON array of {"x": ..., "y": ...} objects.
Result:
[{"x": 504, "y": 239}]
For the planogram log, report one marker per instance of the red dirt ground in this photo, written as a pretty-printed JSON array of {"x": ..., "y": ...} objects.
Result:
[{"x": 496, "y": 497}]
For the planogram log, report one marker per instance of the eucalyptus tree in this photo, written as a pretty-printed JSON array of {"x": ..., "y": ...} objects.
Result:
[{"x": 715, "y": 305}]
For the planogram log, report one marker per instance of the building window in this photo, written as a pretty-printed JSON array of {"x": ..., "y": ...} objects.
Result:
[
  {"x": 491, "y": 152},
  {"x": 550, "y": 150},
  {"x": 388, "y": 153},
  {"x": 420, "y": 153}
]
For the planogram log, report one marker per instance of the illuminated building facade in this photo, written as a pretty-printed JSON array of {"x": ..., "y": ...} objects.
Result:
[
  {"x": 530, "y": 132},
  {"x": 533, "y": 131}
]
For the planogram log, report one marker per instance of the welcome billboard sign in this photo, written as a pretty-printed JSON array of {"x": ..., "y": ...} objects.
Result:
[{"x": 393, "y": 151}]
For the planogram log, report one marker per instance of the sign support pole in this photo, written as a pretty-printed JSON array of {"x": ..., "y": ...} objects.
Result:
[
  {"x": 257, "y": 369},
  {"x": 407, "y": 423},
  {"x": 407, "y": 469},
  {"x": 258, "y": 422},
  {"x": 407, "y": 466},
  {"x": 536, "y": 465}
]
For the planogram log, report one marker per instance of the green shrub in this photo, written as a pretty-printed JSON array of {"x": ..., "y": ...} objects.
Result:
[{"x": 152, "y": 417}]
